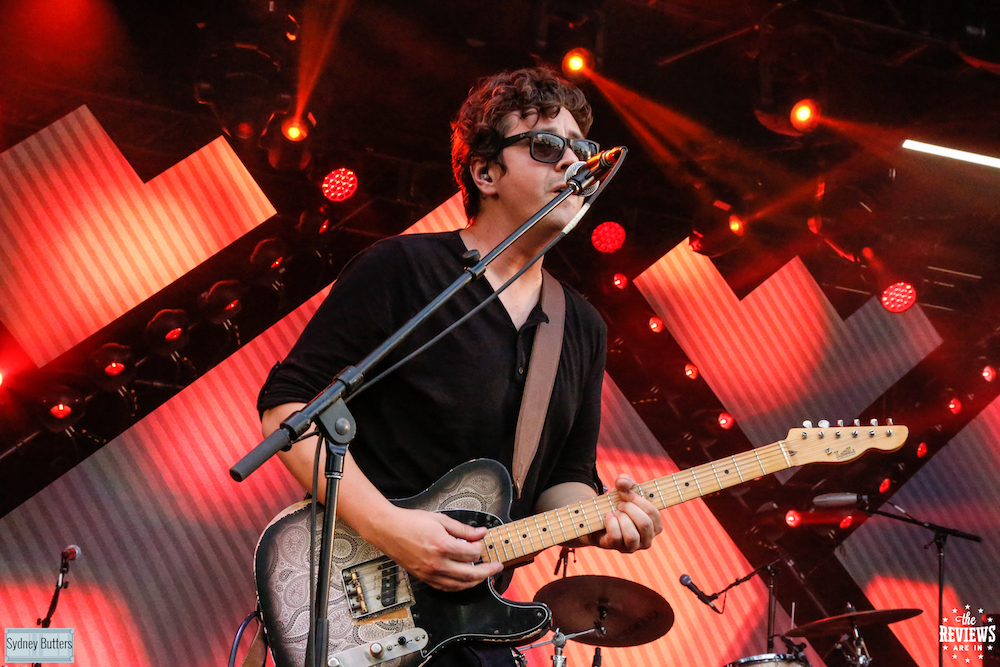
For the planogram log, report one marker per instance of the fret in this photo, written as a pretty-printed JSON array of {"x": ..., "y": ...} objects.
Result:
[
  {"x": 737, "y": 466},
  {"x": 716, "y": 473},
  {"x": 679, "y": 492},
  {"x": 549, "y": 524},
  {"x": 763, "y": 470},
  {"x": 562, "y": 527},
  {"x": 696, "y": 482},
  {"x": 656, "y": 483},
  {"x": 586, "y": 520},
  {"x": 784, "y": 453},
  {"x": 541, "y": 532},
  {"x": 526, "y": 535}
]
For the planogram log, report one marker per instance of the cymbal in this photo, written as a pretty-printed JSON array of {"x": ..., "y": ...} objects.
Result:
[
  {"x": 630, "y": 613},
  {"x": 838, "y": 625}
]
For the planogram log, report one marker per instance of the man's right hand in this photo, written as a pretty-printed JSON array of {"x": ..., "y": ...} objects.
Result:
[{"x": 434, "y": 548}]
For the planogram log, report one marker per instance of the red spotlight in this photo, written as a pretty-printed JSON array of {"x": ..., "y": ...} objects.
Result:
[
  {"x": 577, "y": 63},
  {"x": 655, "y": 324},
  {"x": 921, "y": 450},
  {"x": 267, "y": 260},
  {"x": 846, "y": 522},
  {"x": 608, "y": 237},
  {"x": 1, "y": 379},
  {"x": 899, "y": 297},
  {"x": 167, "y": 333},
  {"x": 884, "y": 487},
  {"x": 60, "y": 411},
  {"x": 691, "y": 371},
  {"x": 736, "y": 225},
  {"x": 955, "y": 406},
  {"x": 295, "y": 129},
  {"x": 793, "y": 518},
  {"x": 989, "y": 373},
  {"x": 620, "y": 280},
  {"x": 222, "y": 302},
  {"x": 726, "y": 420},
  {"x": 805, "y": 115},
  {"x": 340, "y": 184},
  {"x": 61, "y": 407}
]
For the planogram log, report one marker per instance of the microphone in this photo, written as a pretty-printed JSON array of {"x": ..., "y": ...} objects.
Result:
[
  {"x": 72, "y": 552},
  {"x": 707, "y": 599},
  {"x": 586, "y": 175},
  {"x": 834, "y": 500}
]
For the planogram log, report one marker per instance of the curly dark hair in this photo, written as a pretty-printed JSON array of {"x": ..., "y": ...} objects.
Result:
[{"x": 483, "y": 122}]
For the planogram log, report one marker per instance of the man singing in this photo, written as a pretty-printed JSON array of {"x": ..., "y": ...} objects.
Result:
[{"x": 512, "y": 142}]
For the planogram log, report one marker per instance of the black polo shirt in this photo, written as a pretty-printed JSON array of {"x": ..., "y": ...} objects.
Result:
[{"x": 458, "y": 400}]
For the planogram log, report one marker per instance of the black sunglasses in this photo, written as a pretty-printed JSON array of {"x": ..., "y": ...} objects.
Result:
[{"x": 549, "y": 147}]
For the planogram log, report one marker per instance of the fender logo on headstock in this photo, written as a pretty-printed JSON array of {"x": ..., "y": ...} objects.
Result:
[{"x": 846, "y": 452}]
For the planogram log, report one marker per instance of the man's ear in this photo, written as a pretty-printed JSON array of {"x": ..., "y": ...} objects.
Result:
[{"x": 484, "y": 176}]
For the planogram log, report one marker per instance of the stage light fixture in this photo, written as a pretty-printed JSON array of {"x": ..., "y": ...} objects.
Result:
[
  {"x": 954, "y": 405},
  {"x": 691, "y": 371},
  {"x": 112, "y": 366},
  {"x": 725, "y": 420},
  {"x": 60, "y": 407},
  {"x": 885, "y": 485},
  {"x": 921, "y": 450},
  {"x": 793, "y": 518},
  {"x": 340, "y": 184},
  {"x": 222, "y": 302},
  {"x": 899, "y": 297},
  {"x": 989, "y": 373},
  {"x": 655, "y": 324},
  {"x": 718, "y": 227},
  {"x": 268, "y": 261},
  {"x": 287, "y": 140},
  {"x": 620, "y": 280},
  {"x": 577, "y": 63},
  {"x": 167, "y": 332},
  {"x": 608, "y": 237},
  {"x": 805, "y": 115},
  {"x": 847, "y": 522}
]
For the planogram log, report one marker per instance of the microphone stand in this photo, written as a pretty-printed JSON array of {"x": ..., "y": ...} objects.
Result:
[
  {"x": 941, "y": 534},
  {"x": 61, "y": 583},
  {"x": 769, "y": 567},
  {"x": 335, "y": 424}
]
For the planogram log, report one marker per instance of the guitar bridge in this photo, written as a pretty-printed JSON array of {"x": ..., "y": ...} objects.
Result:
[{"x": 375, "y": 587}]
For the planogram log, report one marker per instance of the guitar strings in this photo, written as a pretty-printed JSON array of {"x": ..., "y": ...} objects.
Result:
[{"x": 668, "y": 497}]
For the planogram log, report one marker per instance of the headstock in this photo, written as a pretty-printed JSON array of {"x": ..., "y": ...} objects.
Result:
[{"x": 841, "y": 443}]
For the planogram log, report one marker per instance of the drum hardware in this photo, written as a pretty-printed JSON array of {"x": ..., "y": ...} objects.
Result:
[
  {"x": 846, "y": 626},
  {"x": 606, "y": 611}
]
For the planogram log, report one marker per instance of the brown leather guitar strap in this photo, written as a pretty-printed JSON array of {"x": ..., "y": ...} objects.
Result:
[{"x": 542, "y": 369}]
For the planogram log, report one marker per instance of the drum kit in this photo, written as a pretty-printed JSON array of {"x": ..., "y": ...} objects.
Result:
[{"x": 605, "y": 611}]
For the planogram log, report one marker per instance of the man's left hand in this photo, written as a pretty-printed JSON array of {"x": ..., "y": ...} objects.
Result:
[{"x": 633, "y": 525}]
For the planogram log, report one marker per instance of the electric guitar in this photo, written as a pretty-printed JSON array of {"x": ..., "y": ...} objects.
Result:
[{"x": 377, "y": 614}]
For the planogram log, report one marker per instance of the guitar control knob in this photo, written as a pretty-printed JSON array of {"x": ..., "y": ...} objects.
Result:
[
  {"x": 402, "y": 640},
  {"x": 376, "y": 650}
]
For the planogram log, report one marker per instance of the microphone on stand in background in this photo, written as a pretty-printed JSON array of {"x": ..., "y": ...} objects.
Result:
[{"x": 706, "y": 599}]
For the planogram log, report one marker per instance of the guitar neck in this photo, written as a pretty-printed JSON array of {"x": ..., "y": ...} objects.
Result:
[{"x": 526, "y": 537}]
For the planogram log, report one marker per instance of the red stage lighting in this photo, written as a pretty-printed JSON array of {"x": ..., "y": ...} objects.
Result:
[
  {"x": 1, "y": 379},
  {"x": 884, "y": 487},
  {"x": 222, "y": 302},
  {"x": 899, "y": 297},
  {"x": 655, "y": 324},
  {"x": 295, "y": 129},
  {"x": 736, "y": 225},
  {"x": 921, "y": 450},
  {"x": 989, "y": 373},
  {"x": 805, "y": 115},
  {"x": 726, "y": 420},
  {"x": 267, "y": 260},
  {"x": 955, "y": 406},
  {"x": 608, "y": 237},
  {"x": 577, "y": 63},
  {"x": 793, "y": 518},
  {"x": 112, "y": 366},
  {"x": 620, "y": 280},
  {"x": 691, "y": 371},
  {"x": 340, "y": 184},
  {"x": 846, "y": 522},
  {"x": 167, "y": 333},
  {"x": 61, "y": 407}
]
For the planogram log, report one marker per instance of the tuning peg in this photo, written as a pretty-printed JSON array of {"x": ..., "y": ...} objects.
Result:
[
  {"x": 807, "y": 424},
  {"x": 857, "y": 422},
  {"x": 888, "y": 422},
  {"x": 874, "y": 422},
  {"x": 840, "y": 423},
  {"x": 824, "y": 423}
]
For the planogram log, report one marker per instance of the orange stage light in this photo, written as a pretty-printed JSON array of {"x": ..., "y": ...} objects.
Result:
[
  {"x": 805, "y": 115},
  {"x": 577, "y": 62},
  {"x": 295, "y": 129}
]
